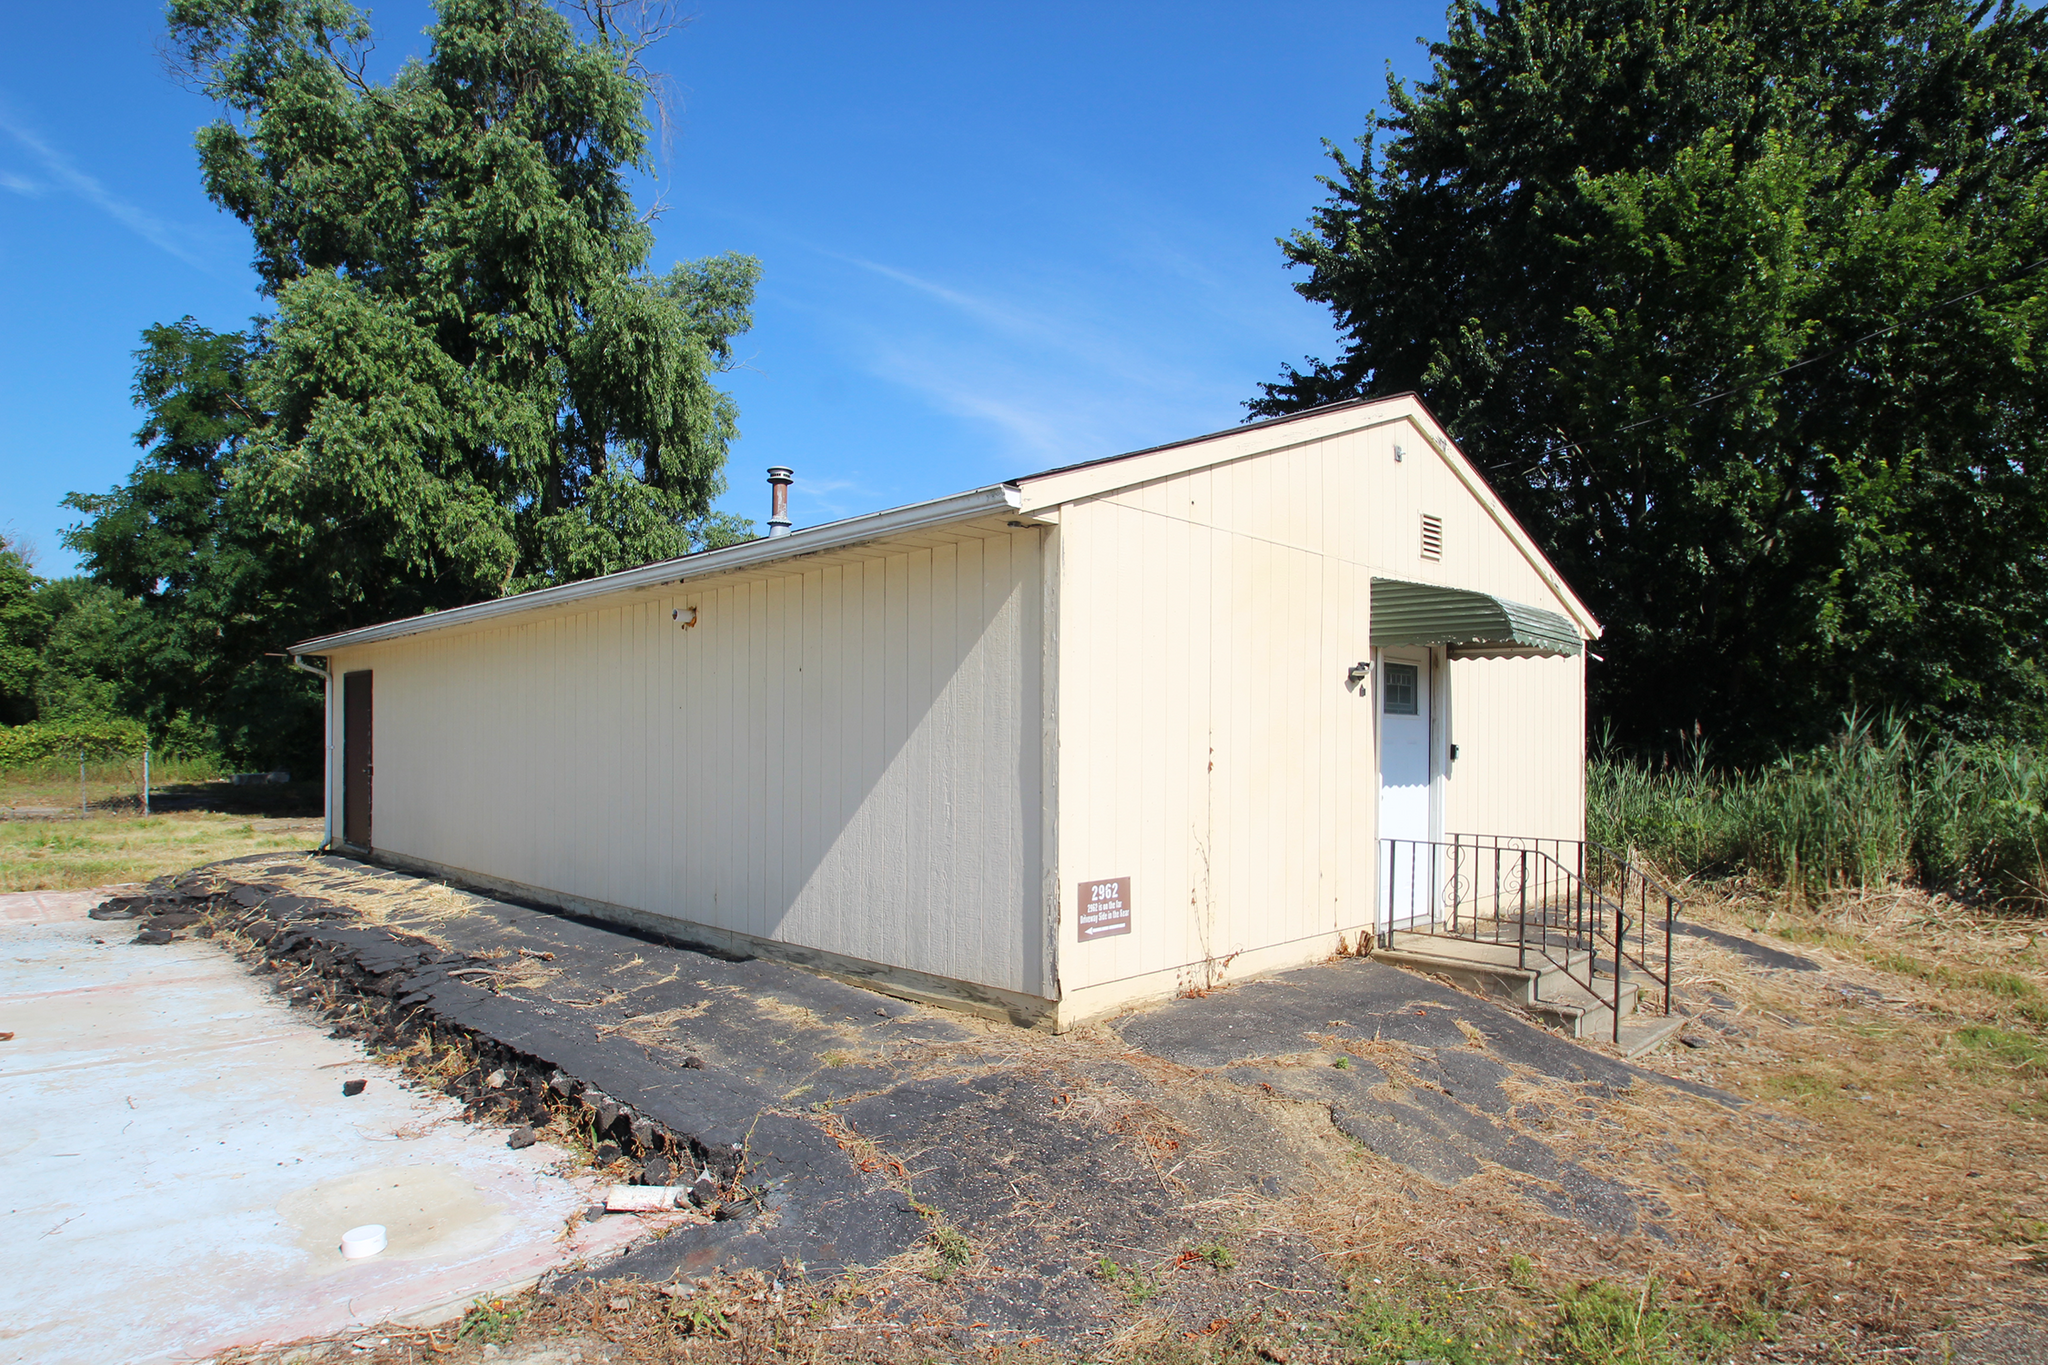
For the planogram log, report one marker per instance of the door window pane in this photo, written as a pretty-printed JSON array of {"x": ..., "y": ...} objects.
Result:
[{"x": 1400, "y": 689}]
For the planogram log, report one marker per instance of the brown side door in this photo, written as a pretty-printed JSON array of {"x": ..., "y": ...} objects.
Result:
[{"x": 356, "y": 761}]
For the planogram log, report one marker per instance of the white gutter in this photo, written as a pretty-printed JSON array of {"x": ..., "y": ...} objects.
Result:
[{"x": 996, "y": 499}]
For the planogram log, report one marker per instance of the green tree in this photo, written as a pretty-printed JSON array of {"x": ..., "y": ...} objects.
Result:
[
  {"x": 24, "y": 624},
  {"x": 1738, "y": 304},
  {"x": 212, "y": 589},
  {"x": 89, "y": 668},
  {"x": 470, "y": 384}
]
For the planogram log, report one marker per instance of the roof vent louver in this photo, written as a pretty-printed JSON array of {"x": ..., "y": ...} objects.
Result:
[{"x": 1432, "y": 537}]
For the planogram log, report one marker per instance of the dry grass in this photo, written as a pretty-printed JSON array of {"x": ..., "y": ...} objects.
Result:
[
  {"x": 1906, "y": 1082},
  {"x": 718, "y": 1320},
  {"x": 415, "y": 905},
  {"x": 651, "y": 1029},
  {"x": 59, "y": 855},
  {"x": 1887, "y": 1167}
]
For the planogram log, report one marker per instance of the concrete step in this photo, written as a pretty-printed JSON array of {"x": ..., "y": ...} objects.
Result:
[
  {"x": 1646, "y": 1032},
  {"x": 1489, "y": 968},
  {"x": 1544, "y": 988},
  {"x": 1581, "y": 1013}
]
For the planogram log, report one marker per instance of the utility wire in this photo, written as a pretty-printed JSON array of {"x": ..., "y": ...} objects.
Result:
[{"x": 1832, "y": 352}]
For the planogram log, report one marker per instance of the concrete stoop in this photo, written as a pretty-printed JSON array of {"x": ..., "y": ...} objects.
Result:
[{"x": 1544, "y": 988}]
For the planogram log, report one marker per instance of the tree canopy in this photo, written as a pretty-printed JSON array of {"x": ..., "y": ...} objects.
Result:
[
  {"x": 469, "y": 383},
  {"x": 1740, "y": 305},
  {"x": 24, "y": 625},
  {"x": 67, "y": 655}
]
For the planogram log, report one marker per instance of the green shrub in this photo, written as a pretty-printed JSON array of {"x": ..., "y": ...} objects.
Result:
[{"x": 51, "y": 742}]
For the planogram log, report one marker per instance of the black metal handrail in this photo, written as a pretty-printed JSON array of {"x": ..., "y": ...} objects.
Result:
[{"x": 1564, "y": 902}]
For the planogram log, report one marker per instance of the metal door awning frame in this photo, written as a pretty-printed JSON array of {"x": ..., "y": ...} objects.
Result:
[{"x": 1474, "y": 625}]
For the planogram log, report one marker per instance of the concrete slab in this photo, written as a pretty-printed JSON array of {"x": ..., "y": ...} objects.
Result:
[{"x": 179, "y": 1162}]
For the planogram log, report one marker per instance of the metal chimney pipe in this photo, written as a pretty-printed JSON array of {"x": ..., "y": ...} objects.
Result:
[{"x": 780, "y": 478}]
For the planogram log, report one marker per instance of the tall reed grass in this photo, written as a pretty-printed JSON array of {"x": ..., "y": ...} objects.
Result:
[{"x": 1874, "y": 807}]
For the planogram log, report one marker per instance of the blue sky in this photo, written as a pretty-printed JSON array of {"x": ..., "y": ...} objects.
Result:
[{"x": 994, "y": 238}]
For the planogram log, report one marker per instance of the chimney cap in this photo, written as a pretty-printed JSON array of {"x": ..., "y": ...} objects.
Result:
[{"x": 780, "y": 473}]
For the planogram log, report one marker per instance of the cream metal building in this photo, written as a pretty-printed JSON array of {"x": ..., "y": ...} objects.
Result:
[{"x": 1045, "y": 748}]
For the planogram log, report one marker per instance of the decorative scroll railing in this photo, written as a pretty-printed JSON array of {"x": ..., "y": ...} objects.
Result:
[{"x": 1587, "y": 911}]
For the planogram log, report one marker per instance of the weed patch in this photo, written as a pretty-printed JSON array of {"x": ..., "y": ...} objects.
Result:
[
  {"x": 1606, "y": 1324},
  {"x": 2014, "y": 1050},
  {"x": 1597, "y": 1323},
  {"x": 495, "y": 1321},
  {"x": 2006, "y": 984},
  {"x": 1798, "y": 1086},
  {"x": 1137, "y": 1287},
  {"x": 1380, "y": 1329},
  {"x": 951, "y": 1252}
]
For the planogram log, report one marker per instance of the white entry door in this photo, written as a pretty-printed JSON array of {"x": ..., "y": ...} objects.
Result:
[{"x": 1408, "y": 871}]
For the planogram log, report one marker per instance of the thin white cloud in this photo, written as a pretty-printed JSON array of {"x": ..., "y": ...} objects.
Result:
[
  {"x": 1057, "y": 366},
  {"x": 1047, "y": 388},
  {"x": 1004, "y": 317},
  {"x": 144, "y": 225},
  {"x": 813, "y": 501},
  {"x": 1039, "y": 419},
  {"x": 1067, "y": 325},
  {"x": 20, "y": 184}
]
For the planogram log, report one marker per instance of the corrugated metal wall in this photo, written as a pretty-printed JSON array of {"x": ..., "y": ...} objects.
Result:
[
  {"x": 1208, "y": 747},
  {"x": 843, "y": 755}
]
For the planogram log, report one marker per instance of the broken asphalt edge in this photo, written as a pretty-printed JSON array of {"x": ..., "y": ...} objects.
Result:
[{"x": 384, "y": 987}]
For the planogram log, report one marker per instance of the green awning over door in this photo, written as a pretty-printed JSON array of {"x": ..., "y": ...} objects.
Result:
[{"x": 1474, "y": 624}]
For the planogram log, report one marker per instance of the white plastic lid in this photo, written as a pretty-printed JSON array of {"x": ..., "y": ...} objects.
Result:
[{"x": 367, "y": 1240}]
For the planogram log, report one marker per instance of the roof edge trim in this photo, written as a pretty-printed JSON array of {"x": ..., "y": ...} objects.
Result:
[
  {"x": 1320, "y": 410},
  {"x": 1053, "y": 487},
  {"x": 833, "y": 535}
]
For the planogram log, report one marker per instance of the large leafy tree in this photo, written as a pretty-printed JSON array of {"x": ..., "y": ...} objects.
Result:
[
  {"x": 470, "y": 384},
  {"x": 24, "y": 625},
  {"x": 1739, "y": 304},
  {"x": 86, "y": 670}
]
